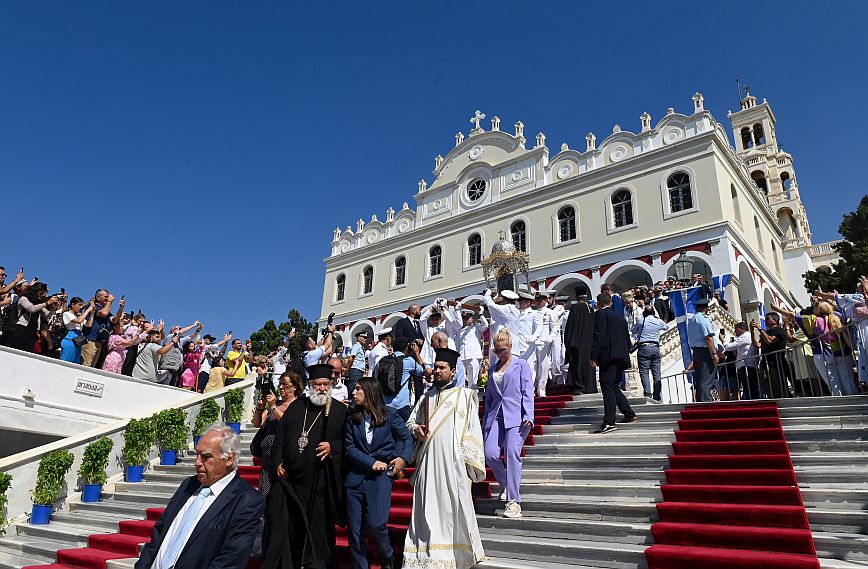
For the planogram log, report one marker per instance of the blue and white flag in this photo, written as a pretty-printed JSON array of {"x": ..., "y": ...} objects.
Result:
[
  {"x": 762, "y": 313},
  {"x": 683, "y": 306},
  {"x": 720, "y": 284}
]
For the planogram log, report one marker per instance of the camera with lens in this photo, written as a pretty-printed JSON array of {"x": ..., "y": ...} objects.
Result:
[{"x": 331, "y": 320}]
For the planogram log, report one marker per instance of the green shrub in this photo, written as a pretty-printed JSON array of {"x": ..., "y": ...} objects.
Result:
[
  {"x": 95, "y": 461},
  {"x": 234, "y": 399},
  {"x": 5, "y": 483},
  {"x": 49, "y": 478},
  {"x": 209, "y": 413},
  {"x": 138, "y": 440},
  {"x": 170, "y": 427}
]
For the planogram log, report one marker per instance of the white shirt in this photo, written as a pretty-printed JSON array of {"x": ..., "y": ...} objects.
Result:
[
  {"x": 216, "y": 489},
  {"x": 529, "y": 328},
  {"x": 279, "y": 362},
  {"x": 504, "y": 316},
  {"x": 375, "y": 355},
  {"x": 469, "y": 341},
  {"x": 744, "y": 348},
  {"x": 369, "y": 431},
  {"x": 447, "y": 325},
  {"x": 68, "y": 323}
]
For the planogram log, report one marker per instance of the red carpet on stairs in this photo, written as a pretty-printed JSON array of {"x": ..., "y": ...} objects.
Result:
[
  {"x": 731, "y": 500},
  {"x": 132, "y": 533}
]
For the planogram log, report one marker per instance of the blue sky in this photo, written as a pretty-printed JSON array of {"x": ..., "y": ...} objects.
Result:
[{"x": 196, "y": 156}]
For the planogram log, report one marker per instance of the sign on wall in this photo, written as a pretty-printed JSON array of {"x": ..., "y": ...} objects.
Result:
[{"x": 86, "y": 387}]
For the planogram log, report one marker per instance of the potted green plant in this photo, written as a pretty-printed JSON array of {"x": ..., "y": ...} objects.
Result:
[
  {"x": 138, "y": 440},
  {"x": 49, "y": 482},
  {"x": 170, "y": 427},
  {"x": 209, "y": 413},
  {"x": 92, "y": 469},
  {"x": 5, "y": 483},
  {"x": 234, "y": 400}
]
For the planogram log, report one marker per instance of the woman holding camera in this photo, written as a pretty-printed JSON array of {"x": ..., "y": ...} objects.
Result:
[
  {"x": 34, "y": 310},
  {"x": 378, "y": 445},
  {"x": 73, "y": 321}
]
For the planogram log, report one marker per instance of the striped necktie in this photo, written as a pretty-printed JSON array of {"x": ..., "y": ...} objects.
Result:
[{"x": 185, "y": 528}]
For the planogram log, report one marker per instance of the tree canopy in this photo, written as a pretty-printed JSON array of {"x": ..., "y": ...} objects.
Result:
[
  {"x": 272, "y": 335},
  {"x": 854, "y": 254}
]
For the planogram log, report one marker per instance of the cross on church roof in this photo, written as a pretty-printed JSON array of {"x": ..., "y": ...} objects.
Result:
[{"x": 476, "y": 119}]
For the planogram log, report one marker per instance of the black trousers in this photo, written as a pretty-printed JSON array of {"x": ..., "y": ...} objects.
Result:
[{"x": 610, "y": 376}]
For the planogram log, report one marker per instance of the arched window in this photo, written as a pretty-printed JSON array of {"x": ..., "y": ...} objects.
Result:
[
  {"x": 775, "y": 255},
  {"x": 736, "y": 208},
  {"x": 435, "y": 261},
  {"x": 340, "y": 287},
  {"x": 400, "y": 270},
  {"x": 786, "y": 181},
  {"x": 567, "y": 224},
  {"x": 474, "y": 250},
  {"x": 622, "y": 208},
  {"x": 759, "y": 235},
  {"x": 368, "y": 280},
  {"x": 680, "y": 195},
  {"x": 518, "y": 231},
  {"x": 758, "y": 134},
  {"x": 746, "y": 139}
]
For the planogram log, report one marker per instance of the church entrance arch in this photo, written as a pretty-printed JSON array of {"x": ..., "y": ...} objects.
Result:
[
  {"x": 628, "y": 276},
  {"x": 572, "y": 285}
]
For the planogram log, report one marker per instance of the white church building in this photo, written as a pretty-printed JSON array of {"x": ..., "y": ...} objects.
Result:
[{"x": 620, "y": 211}]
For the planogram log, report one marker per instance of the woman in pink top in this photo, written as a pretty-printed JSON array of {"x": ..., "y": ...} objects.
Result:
[
  {"x": 117, "y": 346},
  {"x": 192, "y": 357}
]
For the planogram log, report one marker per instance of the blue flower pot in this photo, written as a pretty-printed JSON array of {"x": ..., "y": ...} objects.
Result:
[
  {"x": 169, "y": 457},
  {"x": 236, "y": 427},
  {"x": 134, "y": 473},
  {"x": 41, "y": 514},
  {"x": 91, "y": 492}
]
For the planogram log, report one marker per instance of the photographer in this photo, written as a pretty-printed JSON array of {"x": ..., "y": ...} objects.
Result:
[
  {"x": 103, "y": 323},
  {"x": 73, "y": 321},
  {"x": 315, "y": 352},
  {"x": 34, "y": 310},
  {"x": 407, "y": 350},
  {"x": 378, "y": 446},
  {"x": 149, "y": 353}
]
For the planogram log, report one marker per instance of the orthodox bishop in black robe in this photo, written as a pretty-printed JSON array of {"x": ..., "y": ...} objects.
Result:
[
  {"x": 578, "y": 337},
  {"x": 303, "y": 507}
]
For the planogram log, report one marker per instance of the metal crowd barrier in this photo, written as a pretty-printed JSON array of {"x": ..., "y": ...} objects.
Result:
[{"x": 808, "y": 367}]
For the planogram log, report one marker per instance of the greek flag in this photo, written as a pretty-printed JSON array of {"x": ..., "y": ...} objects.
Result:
[
  {"x": 683, "y": 306},
  {"x": 720, "y": 283},
  {"x": 762, "y": 313}
]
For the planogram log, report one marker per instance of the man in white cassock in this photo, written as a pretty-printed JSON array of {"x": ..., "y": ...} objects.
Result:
[{"x": 443, "y": 530}]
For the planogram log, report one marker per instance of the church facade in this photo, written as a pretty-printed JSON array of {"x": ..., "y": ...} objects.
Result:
[{"x": 620, "y": 211}]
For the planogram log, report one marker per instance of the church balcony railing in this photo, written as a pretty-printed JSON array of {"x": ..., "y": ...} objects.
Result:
[{"x": 824, "y": 248}]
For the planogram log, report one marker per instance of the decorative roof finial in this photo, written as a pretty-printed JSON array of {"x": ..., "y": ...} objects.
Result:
[
  {"x": 423, "y": 185},
  {"x": 519, "y": 129},
  {"x": 374, "y": 217},
  {"x": 495, "y": 123},
  {"x": 698, "y": 102},
  {"x": 404, "y": 206},
  {"x": 360, "y": 225},
  {"x": 564, "y": 147},
  {"x": 540, "y": 140},
  {"x": 616, "y": 129},
  {"x": 646, "y": 122},
  {"x": 337, "y": 234},
  {"x": 390, "y": 215},
  {"x": 475, "y": 120},
  {"x": 438, "y": 161},
  {"x": 670, "y": 111},
  {"x": 592, "y": 142},
  {"x": 459, "y": 138}
]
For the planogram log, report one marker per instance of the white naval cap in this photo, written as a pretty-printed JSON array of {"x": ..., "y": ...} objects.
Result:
[
  {"x": 525, "y": 295},
  {"x": 509, "y": 294},
  {"x": 384, "y": 332}
]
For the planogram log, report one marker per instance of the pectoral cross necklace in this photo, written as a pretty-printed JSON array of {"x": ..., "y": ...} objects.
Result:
[{"x": 305, "y": 430}]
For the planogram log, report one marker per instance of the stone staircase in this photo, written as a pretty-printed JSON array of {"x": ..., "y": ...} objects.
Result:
[{"x": 588, "y": 500}]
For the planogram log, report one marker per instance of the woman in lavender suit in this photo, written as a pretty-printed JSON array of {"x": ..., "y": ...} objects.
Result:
[{"x": 508, "y": 419}]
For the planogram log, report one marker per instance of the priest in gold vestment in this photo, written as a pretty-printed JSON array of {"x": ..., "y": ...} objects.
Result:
[{"x": 449, "y": 457}]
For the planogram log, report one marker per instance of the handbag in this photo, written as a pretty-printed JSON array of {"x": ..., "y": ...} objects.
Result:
[{"x": 80, "y": 340}]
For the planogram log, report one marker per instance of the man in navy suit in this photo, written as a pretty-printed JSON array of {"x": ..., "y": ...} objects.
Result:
[
  {"x": 610, "y": 353},
  {"x": 213, "y": 518}
]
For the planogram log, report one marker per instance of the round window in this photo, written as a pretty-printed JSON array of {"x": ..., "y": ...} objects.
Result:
[{"x": 475, "y": 190}]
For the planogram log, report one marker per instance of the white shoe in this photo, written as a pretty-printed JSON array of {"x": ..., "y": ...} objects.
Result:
[
  {"x": 513, "y": 510},
  {"x": 502, "y": 496}
]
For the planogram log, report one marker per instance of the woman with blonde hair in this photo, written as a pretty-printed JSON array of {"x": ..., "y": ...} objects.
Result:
[{"x": 509, "y": 415}]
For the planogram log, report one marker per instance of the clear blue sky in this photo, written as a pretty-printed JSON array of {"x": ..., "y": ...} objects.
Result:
[{"x": 196, "y": 156}]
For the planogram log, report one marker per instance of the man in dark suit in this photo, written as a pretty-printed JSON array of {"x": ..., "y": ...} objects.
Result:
[
  {"x": 213, "y": 518},
  {"x": 610, "y": 353},
  {"x": 409, "y": 327}
]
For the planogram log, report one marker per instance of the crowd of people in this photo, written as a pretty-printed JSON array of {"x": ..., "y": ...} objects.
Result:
[
  {"x": 100, "y": 333},
  {"x": 337, "y": 427}
]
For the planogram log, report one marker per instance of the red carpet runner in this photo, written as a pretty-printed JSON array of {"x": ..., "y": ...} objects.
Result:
[
  {"x": 731, "y": 500},
  {"x": 132, "y": 533}
]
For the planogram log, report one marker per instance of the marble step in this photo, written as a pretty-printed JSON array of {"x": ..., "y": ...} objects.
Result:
[
  {"x": 588, "y": 530},
  {"x": 847, "y": 547},
  {"x": 594, "y": 553},
  {"x": 636, "y": 511}
]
